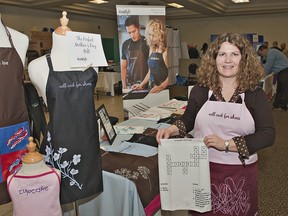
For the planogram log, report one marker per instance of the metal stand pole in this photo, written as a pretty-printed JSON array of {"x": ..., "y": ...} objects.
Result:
[{"x": 76, "y": 210}]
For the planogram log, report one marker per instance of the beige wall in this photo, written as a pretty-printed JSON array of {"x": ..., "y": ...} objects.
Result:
[{"x": 272, "y": 26}]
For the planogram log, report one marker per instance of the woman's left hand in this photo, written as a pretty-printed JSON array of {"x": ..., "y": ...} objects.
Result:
[{"x": 214, "y": 141}]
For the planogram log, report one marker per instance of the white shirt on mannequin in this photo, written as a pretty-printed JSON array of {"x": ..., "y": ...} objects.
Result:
[
  {"x": 38, "y": 69},
  {"x": 20, "y": 41}
]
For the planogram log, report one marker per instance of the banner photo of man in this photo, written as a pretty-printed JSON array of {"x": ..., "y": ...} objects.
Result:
[{"x": 143, "y": 47}]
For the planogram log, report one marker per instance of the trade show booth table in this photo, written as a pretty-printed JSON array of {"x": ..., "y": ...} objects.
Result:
[{"x": 130, "y": 176}]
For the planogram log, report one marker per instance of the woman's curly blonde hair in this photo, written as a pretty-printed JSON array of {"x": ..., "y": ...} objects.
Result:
[
  {"x": 250, "y": 69},
  {"x": 158, "y": 29}
]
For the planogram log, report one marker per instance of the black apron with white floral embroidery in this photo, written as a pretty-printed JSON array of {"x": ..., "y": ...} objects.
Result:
[{"x": 71, "y": 142}]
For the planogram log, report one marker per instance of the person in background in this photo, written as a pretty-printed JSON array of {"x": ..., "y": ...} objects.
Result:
[
  {"x": 157, "y": 76},
  {"x": 277, "y": 63},
  {"x": 193, "y": 52},
  {"x": 284, "y": 49},
  {"x": 226, "y": 110},
  {"x": 262, "y": 58},
  {"x": 203, "y": 50},
  {"x": 275, "y": 46},
  {"x": 135, "y": 54}
]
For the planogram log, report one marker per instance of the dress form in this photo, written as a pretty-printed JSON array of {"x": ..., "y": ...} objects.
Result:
[
  {"x": 38, "y": 69},
  {"x": 41, "y": 183},
  {"x": 32, "y": 162},
  {"x": 64, "y": 22},
  {"x": 20, "y": 41}
]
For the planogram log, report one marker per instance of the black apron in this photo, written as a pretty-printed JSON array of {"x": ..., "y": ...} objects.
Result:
[
  {"x": 158, "y": 68},
  {"x": 136, "y": 63},
  {"x": 71, "y": 143},
  {"x": 14, "y": 126}
]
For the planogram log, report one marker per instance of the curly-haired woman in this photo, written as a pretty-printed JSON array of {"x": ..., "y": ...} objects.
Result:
[
  {"x": 233, "y": 116},
  {"x": 157, "y": 76}
]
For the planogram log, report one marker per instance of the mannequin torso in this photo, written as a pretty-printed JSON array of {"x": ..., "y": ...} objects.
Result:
[
  {"x": 33, "y": 163},
  {"x": 20, "y": 41},
  {"x": 38, "y": 69},
  {"x": 34, "y": 169},
  {"x": 35, "y": 188}
]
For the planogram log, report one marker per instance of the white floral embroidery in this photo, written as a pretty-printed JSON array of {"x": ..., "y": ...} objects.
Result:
[
  {"x": 54, "y": 158},
  {"x": 142, "y": 170},
  {"x": 62, "y": 150},
  {"x": 127, "y": 173},
  {"x": 64, "y": 164},
  {"x": 76, "y": 159}
]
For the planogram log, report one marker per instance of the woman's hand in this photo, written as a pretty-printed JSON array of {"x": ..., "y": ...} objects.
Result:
[
  {"x": 137, "y": 87},
  {"x": 165, "y": 133},
  {"x": 156, "y": 89},
  {"x": 214, "y": 141}
]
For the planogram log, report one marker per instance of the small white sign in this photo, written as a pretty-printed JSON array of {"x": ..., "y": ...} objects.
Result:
[{"x": 85, "y": 49}]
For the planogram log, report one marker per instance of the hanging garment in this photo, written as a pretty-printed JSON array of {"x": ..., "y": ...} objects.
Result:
[
  {"x": 35, "y": 195},
  {"x": 234, "y": 187},
  {"x": 173, "y": 53},
  {"x": 14, "y": 126},
  {"x": 136, "y": 61},
  {"x": 71, "y": 143},
  {"x": 158, "y": 68}
]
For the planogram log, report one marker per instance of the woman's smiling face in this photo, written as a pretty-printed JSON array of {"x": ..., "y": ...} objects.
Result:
[{"x": 227, "y": 60}]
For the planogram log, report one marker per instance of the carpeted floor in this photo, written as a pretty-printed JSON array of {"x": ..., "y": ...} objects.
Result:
[{"x": 273, "y": 171}]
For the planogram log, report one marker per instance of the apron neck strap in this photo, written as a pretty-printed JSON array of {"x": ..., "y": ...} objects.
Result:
[
  {"x": 8, "y": 34},
  {"x": 48, "y": 57}
]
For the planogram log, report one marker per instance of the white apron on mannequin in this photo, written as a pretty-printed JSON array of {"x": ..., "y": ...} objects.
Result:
[{"x": 233, "y": 186}]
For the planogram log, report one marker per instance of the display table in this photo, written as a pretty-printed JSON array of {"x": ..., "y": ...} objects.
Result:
[
  {"x": 150, "y": 100},
  {"x": 120, "y": 197},
  {"x": 106, "y": 81},
  {"x": 140, "y": 167}
]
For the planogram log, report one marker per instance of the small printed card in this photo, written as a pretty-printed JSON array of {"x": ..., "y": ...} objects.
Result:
[
  {"x": 173, "y": 105},
  {"x": 128, "y": 129},
  {"x": 85, "y": 49}
]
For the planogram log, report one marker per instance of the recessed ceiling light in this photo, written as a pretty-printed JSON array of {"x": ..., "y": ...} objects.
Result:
[
  {"x": 175, "y": 5},
  {"x": 240, "y": 1},
  {"x": 98, "y": 1}
]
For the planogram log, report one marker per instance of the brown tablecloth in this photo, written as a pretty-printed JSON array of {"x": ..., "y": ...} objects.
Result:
[{"x": 143, "y": 171}]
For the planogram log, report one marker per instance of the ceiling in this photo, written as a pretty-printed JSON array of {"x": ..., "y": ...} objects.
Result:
[{"x": 193, "y": 8}]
